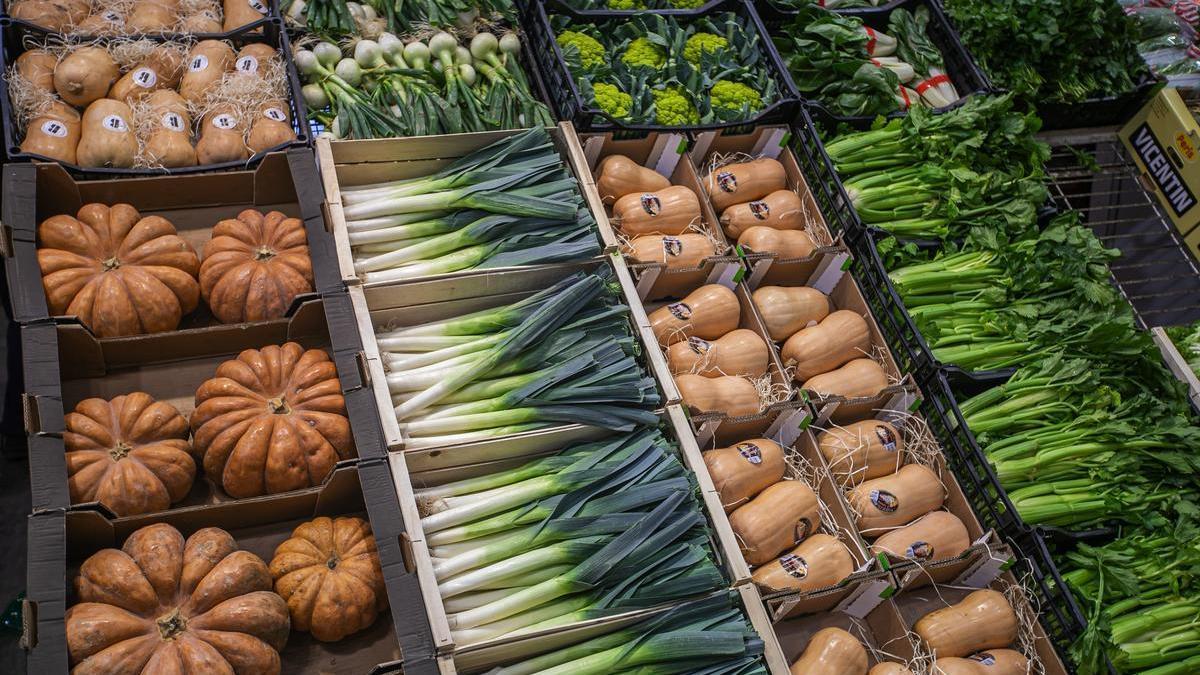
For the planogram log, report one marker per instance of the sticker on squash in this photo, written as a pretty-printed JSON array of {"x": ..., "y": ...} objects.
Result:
[
  {"x": 144, "y": 77},
  {"x": 699, "y": 345},
  {"x": 115, "y": 124},
  {"x": 919, "y": 550},
  {"x": 794, "y": 565},
  {"x": 199, "y": 62},
  {"x": 224, "y": 121},
  {"x": 885, "y": 501},
  {"x": 680, "y": 310},
  {"x": 803, "y": 527},
  {"x": 886, "y": 438},
  {"x": 760, "y": 209},
  {"x": 172, "y": 121},
  {"x": 275, "y": 114},
  {"x": 984, "y": 659},
  {"x": 651, "y": 204},
  {"x": 750, "y": 452},
  {"x": 54, "y": 128},
  {"x": 258, "y": 6},
  {"x": 111, "y": 16},
  {"x": 672, "y": 246},
  {"x": 246, "y": 64},
  {"x": 727, "y": 181}
]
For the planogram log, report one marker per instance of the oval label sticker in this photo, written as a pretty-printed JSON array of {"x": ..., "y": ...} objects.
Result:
[
  {"x": 680, "y": 310},
  {"x": 144, "y": 77},
  {"x": 672, "y": 246},
  {"x": 258, "y": 6},
  {"x": 199, "y": 62},
  {"x": 246, "y": 64},
  {"x": 750, "y": 452},
  {"x": 727, "y": 181},
  {"x": 275, "y": 114},
  {"x": 885, "y": 501},
  {"x": 921, "y": 550},
  {"x": 172, "y": 121},
  {"x": 54, "y": 128},
  {"x": 794, "y": 565},
  {"x": 224, "y": 121},
  {"x": 760, "y": 209},
  {"x": 651, "y": 204},
  {"x": 699, "y": 345},
  {"x": 984, "y": 659},
  {"x": 802, "y": 529},
  {"x": 886, "y": 438},
  {"x": 115, "y": 123}
]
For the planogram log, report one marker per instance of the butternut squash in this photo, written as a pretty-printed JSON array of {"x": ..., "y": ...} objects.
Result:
[
  {"x": 839, "y": 338},
  {"x": 36, "y": 66},
  {"x": 741, "y": 471},
  {"x": 254, "y": 58},
  {"x": 707, "y": 312},
  {"x": 106, "y": 138},
  {"x": 160, "y": 69},
  {"x": 85, "y": 75},
  {"x": 169, "y": 142},
  {"x": 862, "y": 450},
  {"x": 617, "y": 176},
  {"x": 108, "y": 22},
  {"x": 780, "y": 517},
  {"x": 982, "y": 620},
  {"x": 239, "y": 13},
  {"x": 50, "y": 15},
  {"x": 882, "y": 504},
  {"x": 889, "y": 668},
  {"x": 152, "y": 16},
  {"x": 729, "y": 395},
  {"x": 738, "y": 352},
  {"x": 785, "y": 244},
  {"x": 53, "y": 133},
  {"x": 861, "y": 378},
  {"x": 222, "y": 134},
  {"x": 680, "y": 251},
  {"x": 991, "y": 662},
  {"x": 271, "y": 127},
  {"x": 818, "y": 562},
  {"x": 201, "y": 22},
  {"x": 744, "y": 182},
  {"x": 780, "y": 210},
  {"x": 934, "y": 536},
  {"x": 832, "y": 651},
  {"x": 205, "y": 65},
  {"x": 671, "y": 210},
  {"x": 787, "y": 309}
]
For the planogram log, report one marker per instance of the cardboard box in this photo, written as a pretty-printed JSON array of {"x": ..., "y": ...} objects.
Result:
[
  {"x": 350, "y": 163},
  {"x": 64, "y": 364},
  {"x": 437, "y": 299},
  {"x": 428, "y": 467},
  {"x": 284, "y": 181},
  {"x": 60, "y": 541},
  {"x": 1164, "y": 141}
]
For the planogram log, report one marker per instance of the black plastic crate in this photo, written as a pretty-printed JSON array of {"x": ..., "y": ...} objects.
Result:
[
  {"x": 565, "y": 6},
  {"x": 967, "y": 77},
  {"x": 15, "y": 39},
  {"x": 823, "y": 179},
  {"x": 764, "y": 6},
  {"x": 271, "y": 15},
  {"x": 569, "y": 104}
]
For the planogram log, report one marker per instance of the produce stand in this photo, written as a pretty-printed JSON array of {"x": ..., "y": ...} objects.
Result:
[{"x": 560, "y": 383}]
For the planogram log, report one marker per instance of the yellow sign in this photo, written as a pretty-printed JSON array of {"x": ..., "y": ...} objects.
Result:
[{"x": 1163, "y": 139}]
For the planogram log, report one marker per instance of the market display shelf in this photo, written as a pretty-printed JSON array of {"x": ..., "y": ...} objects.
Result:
[{"x": 1094, "y": 174}]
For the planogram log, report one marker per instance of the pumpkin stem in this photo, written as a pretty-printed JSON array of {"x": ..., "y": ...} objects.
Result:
[
  {"x": 171, "y": 625},
  {"x": 264, "y": 253},
  {"x": 118, "y": 453},
  {"x": 111, "y": 264},
  {"x": 332, "y": 562},
  {"x": 278, "y": 406}
]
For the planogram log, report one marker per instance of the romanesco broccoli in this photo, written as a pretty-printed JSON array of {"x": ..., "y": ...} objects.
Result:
[
  {"x": 686, "y": 4},
  {"x": 612, "y": 100},
  {"x": 626, "y": 4},
  {"x": 643, "y": 52},
  {"x": 702, "y": 42},
  {"x": 591, "y": 52},
  {"x": 732, "y": 96},
  {"x": 673, "y": 109}
]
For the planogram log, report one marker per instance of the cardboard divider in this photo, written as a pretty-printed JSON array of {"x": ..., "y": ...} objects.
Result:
[
  {"x": 349, "y": 163},
  {"x": 283, "y": 181},
  {"x": 914, "y": 604},
  {"x": 434, "y": 300},
  {"x": 258, "y": 527},
  {"x": 416, "y": 469},
  {"x": 762, "y": 141},
  {"x": 881, "y": 631},
  {"x": 663, "y": 153},
  {"x": 65, "y": 364}
]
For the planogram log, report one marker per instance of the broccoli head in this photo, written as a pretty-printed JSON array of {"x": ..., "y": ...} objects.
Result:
[
  {"x": 673, "y": 109},
  {"x": 591, "y": 52},
  {"x": 613, "y": 101},
  {"x": 731, "y": 96},
  {"x": 626, "y": 4},
  {"x": 686, "y": 4},
  {"x": 643, "y": 52},
  {"x": 700, "y": 43}
]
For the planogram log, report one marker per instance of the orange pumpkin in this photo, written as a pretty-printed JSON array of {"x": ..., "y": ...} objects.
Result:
[
  {"x": 120, "y": 273},
  {"x": 329, "y": 574},
  {"x": 130, "y": 454},
  {"x": 254, "y": 266},
  {"x": 271, "y": 420},
  {"x": 160, "y": 604}
]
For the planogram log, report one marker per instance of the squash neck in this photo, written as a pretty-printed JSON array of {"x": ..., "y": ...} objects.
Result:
[{"x": 171, "y": 625}]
